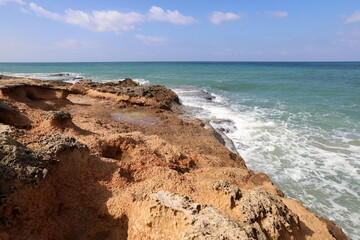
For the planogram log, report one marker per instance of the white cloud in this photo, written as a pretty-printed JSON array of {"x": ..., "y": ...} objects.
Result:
[
  {"x": 152, "y": 39},
  {"x": 353, "y": 18},
  {"x": 44, "y": 13},
  {"x": 112, "y": 21},
  {"x": 104, "y": 21},
  {"x": 76, "y": 44},
  {"x": 97, "y": 21},
  {"x": 276, "y": 14},
  {"x": 4, "y": 2},
  {"x": 174, "y": 17},
  {"x": 218, "y": 18}
]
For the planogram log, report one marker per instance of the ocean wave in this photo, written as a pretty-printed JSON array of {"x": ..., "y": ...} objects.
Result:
[
  {"x": 314, "y": 165},
  {"x": 70, "y": 77},
  {"x": 137, "y": 80},
  {"x": 141, "y": 81},
  {"x": 60, "y": 76}
]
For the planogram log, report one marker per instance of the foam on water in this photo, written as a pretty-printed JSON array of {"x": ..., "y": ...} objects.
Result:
[
  {"x": 62, "y": 76},
  {"x": 141, "y": 81},
  {"x": 69, "y": 77},
  {"x": 319, "y": 168}
]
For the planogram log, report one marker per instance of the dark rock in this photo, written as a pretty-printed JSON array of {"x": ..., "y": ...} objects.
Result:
[
  {"x": 58, "y": 143},
  {"x": 127, "y": 82},
  {"x": 21, "y": 163},
  {"x": 60, "y": 74}
]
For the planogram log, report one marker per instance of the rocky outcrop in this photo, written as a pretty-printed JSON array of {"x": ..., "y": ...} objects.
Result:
[
  {"x": 263, "y": 216},
  {"x": 116, "y": 161},
  {"x": 268, "y": 216},
  {"x": 21, "y": 163},
  {"x": 201, "y": 221},
  {"x": 11, "y": 116},
  {"x": 232, "y": 191},
  {"x": 128, "y": 91},
  {"x": 60, "y": 119}
]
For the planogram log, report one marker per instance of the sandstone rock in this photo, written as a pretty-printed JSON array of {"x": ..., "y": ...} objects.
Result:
[
  {"x": 29, "y": 166},
  {"x": 334, "y": 230},
  {"x": 11, "y": 116},
  {"x": 77, "y": 88},
  {"x": 7, "y": 113},
  {"x": 204, "y": 222},
  {"x": 60, "y": 119},
  {"x": 53, "y": 188},
  {"x": 19, "y": 166},
  {"x": 267, "y": 215},
  {"x": 232, "y": 191},
  {"x": 57, "y": 143},
  {"x": 6, "y": 129},
  {"x": 21, "y": 163},
  {"x": 156, "y": 95},
  {"x": 127, "y": 82}
]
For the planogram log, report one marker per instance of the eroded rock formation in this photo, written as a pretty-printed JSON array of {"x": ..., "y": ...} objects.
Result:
[{"x": 117, "y": 161}]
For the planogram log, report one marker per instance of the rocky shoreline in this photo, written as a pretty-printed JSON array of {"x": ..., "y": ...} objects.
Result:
[{"x": 120, "y": 161}]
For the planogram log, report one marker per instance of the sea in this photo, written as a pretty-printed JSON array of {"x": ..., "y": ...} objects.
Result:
[{"x": 298, "y": 122}]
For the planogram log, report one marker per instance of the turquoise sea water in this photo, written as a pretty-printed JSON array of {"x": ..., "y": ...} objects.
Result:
[{"x": 297, "y": 122}]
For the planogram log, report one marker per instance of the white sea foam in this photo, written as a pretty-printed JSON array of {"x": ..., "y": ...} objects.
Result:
[
  {"x": 141, "y": 81},
  {"x": 69, "y": 77},
  {"x": 137, "y": 80},
  {"x": 61, "y": 76},
  {"x": 319, "y": 168}
]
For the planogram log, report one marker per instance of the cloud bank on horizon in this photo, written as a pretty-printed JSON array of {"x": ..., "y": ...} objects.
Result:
[{"x": 149, "y": 28}]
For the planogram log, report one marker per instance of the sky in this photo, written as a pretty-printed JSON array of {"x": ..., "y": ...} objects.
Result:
[{"x": 169, "y": 30}]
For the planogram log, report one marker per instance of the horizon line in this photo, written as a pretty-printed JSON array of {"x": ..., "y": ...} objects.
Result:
[{"x": 194, "y": 61}]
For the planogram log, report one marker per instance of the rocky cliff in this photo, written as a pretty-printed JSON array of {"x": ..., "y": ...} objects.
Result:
[{"x": 120, "y": 161}]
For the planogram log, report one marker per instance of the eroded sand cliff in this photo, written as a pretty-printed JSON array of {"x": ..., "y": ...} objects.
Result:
[{"x": 119, "y": 161}]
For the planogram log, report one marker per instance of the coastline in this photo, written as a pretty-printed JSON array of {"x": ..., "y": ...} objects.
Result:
[{"x": 129, "y": 145}]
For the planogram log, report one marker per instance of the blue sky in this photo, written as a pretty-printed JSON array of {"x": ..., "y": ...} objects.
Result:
[{"x": 197, "y": 30}]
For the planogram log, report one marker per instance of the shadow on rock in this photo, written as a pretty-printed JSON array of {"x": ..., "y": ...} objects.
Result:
[
  {"x": 11, "y": 116},
  {"x": 68, "y": 202},
  {"x": 38, "y": 97}
]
